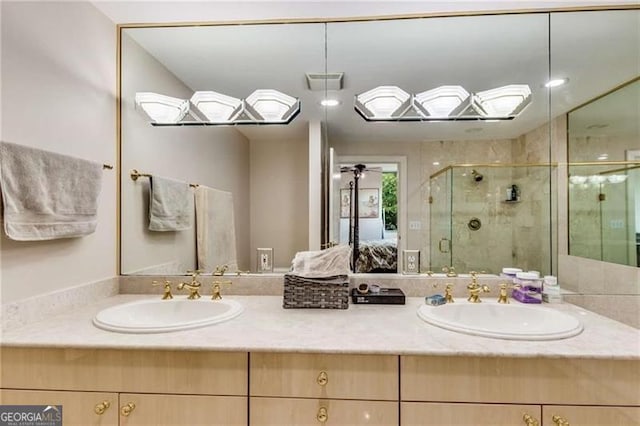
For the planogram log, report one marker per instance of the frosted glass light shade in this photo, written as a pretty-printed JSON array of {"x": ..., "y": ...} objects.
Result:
[
  {"x": 216, "y": 107},
  {"x": 577, "y": 180},
  {"x": 271, "y": 105},
  {"x": 502, "y": 101},
  {"x": 616, "y": 178},
  {"x": 443, "y": 101},
  {"x": 383, "y": 102},
  {"x": 161, "y": 108}
]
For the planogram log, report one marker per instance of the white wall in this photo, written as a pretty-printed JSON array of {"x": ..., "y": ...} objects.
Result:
[
  {"x": 217, "y": 157},
  {"x": 279, "y": 198},
  {"x": 58, "y": 93}
]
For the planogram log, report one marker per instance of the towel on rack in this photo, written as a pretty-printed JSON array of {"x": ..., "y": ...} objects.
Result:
[
  {"x": 215, "y": 229},
  {"x": 47, "y": 195},
  {"x": 170, "y": 205}
]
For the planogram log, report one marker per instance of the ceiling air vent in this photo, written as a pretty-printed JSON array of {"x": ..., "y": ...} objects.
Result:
[{"x": 317, "y": 81}]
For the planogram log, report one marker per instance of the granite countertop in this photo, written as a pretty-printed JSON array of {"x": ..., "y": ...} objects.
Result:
[{"x": 265, "y": 326}]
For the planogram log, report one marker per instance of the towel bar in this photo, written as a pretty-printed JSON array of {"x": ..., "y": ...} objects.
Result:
[{"x": 135, "y": 174}]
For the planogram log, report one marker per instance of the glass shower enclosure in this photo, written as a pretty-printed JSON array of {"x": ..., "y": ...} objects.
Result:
[{"x": 486, "y": 217}]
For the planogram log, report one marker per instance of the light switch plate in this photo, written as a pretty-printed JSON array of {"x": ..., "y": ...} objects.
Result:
[
  {"x": 265, "y": 260},
  {"x": 415, "y": 225},
  {"x": 411, "y": 261}
]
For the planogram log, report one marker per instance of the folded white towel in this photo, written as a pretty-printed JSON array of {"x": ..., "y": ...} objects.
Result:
[
  {"x": 324, "y": 263},
  {"x": 47, "y": 195},
  {"x": 170, "y": 206},
  {"x": 215, "y": 229}
]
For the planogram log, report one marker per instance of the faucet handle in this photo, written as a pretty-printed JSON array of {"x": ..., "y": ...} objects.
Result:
[
  {"x": 195, "y": 273},
  {"x": 167, "y": 288},
  {"x": 448, "y": 297},
  {"x": 220, "y": 270},
  {"x": 215, "y": 289}
]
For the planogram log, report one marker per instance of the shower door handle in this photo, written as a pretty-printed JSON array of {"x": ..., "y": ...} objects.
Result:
[{"x": 444, "y": 245}]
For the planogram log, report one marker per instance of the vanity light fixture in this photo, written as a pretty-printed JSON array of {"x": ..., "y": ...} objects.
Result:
[
  {"x": 556, "y": 82},
  {"x": 502, "y": 101},
  {"x": 269, "y": 105},
  {"x": 162, "y": 109},
  {"x": 442, "y": 102},
  {"x": 603, "y": 157},
  {"x": 264, "y": 106},
  {"x": 616, "y": 178},
  {"x": 216, "y": 107},
  {"x": 383, "y": 103},
  {"x": 577, "y": 179}
]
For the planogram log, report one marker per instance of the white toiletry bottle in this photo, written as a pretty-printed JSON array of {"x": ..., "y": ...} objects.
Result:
[{"x": 551, "y": 290}]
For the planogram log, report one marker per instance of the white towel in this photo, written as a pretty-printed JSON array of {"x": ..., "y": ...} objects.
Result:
[
  {"x": 170, "y": 205},
  {"x": 323, "y": 263},
  {"x": 47, "y": 195},
  {"x": 215, "y": 229}
]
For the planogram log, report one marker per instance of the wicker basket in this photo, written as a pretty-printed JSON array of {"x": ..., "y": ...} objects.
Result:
[{"x": 323, "y": 293}]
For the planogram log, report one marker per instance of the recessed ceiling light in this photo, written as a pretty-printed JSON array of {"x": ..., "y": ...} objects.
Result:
[
  {"x": 329, "y": 102},
  {"x": 556, "y": 82},
  {"x": 436, "y": 163},
  {"x": 603, "y": 156}
]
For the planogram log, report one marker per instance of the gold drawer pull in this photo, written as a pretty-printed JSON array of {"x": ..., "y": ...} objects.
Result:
[
  {"x": 125, "y": 410},
  {"x": 102, "y": 407},
  {"x": 529, "y": 420},
  {"x": 322, "y": 415},
  {"x": 560, "y": 421},
  {"x": 323, "y": 378}
]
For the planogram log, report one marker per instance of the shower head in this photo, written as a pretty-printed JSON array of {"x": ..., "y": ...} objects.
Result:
[{"x": 476, "y": 176}]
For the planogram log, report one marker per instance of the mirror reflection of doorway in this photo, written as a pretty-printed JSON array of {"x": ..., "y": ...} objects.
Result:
[{"x": 373, "y": 234}]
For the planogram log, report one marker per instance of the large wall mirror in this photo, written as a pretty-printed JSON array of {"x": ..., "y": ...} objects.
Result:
[{"x": 473, "y": 185}]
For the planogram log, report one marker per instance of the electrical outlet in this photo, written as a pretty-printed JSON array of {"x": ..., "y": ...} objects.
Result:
[
  {"x": 415, "y": 225},
  {"x": 265, "y": 260},
  {"x": 411, "y": 261}
]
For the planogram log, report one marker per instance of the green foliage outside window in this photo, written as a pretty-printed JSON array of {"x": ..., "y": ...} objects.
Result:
[{"x": 390, "y": 200}]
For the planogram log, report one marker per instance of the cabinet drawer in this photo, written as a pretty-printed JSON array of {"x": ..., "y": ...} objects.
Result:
[
  {"x": 171, "y": 410},
  {"x": 592, "y": 416},
  {"x": 518, "y": 380},
  {"x": 299, "y": 412},
  {"x": 437, "y": 414},
  {"x": 181, "y": 372},
  {"x": 324, "y": 376},
  {"x": 78, "y": 408}
]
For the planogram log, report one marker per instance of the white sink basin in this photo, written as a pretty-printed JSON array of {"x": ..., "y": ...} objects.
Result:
[
  {"x": 161, "y": 316},
  {"x": 514, "y": 321}
]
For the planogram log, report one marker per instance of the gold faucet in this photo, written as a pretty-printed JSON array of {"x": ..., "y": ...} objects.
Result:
[
  {"x": 475, "y": 289},
  {"x": 167, "y": 289},
  {"x": 447, "y": 293},
  {"x": 193, "y": 286},
  {"x": 504, "y": 296},
  {"x": 215, "y": 289},
  {"x": 450, "y": 270},
  {"x": 220, "y": 270}
]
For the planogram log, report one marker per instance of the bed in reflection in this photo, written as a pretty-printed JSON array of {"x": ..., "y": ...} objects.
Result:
[{"x": 378, "y": 256}]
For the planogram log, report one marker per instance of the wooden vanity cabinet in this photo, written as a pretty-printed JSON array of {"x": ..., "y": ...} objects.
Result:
[
  {"x": 323, "y": 389},
  {"x": 590, "y": 416},
  {"x": 441, "y": 414},
  {"x": 78, "y": 408},
  {"x": 142, "y": 387},
  {"x": 496, "y": 391},
  {"x": 224, "y": 388},
  {"x": 191, "y": 410}
]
